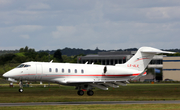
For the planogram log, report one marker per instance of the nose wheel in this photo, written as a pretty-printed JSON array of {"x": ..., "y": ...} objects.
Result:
[{"x": 20, "y": 90}]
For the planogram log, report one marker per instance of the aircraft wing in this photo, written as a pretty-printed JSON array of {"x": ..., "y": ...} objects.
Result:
[
  {"x": 68, "y": 82},
  {"x": 99, "y": 84}
]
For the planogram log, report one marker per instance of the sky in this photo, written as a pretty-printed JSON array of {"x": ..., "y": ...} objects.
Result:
[{"x": 88, "y": 24}]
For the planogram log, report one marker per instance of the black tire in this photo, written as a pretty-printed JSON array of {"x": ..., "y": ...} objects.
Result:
[
  {"x": 90, "y": 93},
  {"x": 20, "y": 90},
  {"x": 80, "y": 92}
]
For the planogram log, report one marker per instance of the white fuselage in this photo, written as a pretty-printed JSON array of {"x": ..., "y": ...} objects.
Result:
[{"x": 65, "y": 73}]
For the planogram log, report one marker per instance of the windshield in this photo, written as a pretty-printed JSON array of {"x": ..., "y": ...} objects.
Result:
[
  {"x": 23, "y": 66},
  {"x": 27, "y": 65},
  {"x": 20, "y": 66}
]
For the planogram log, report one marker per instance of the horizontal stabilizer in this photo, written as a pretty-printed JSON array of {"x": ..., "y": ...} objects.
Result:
[{"x": 154, "y": 50}]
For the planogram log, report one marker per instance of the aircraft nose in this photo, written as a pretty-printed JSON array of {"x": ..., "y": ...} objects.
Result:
[{"x": 5, "y": 75}]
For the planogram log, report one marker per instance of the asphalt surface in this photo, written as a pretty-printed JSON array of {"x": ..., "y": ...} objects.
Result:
[{"x": 88, "y": 103}]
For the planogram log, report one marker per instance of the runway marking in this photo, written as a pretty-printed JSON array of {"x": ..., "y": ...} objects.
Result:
[{"x": 88, "y": 103}]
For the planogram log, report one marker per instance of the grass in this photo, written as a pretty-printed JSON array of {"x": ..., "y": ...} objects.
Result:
[
  {"x": 56, "y": 93},
  {"x": 99, "y": 107}
]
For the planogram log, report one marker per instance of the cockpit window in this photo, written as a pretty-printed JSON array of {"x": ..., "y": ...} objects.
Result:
[
  {"x": 20, "y": 66},
  {"x": 27, "y": 65},
  {"x": 23, "y": 65}
]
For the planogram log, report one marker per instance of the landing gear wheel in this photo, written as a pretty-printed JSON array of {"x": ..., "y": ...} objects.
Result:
[
  {"x": 90, "y": 93},
  {"x": 80, "y": 92},
  {"x": 20, "y": 90}
]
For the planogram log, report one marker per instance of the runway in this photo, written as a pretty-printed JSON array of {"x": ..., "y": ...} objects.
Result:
[{"x": 88, "y": 103}]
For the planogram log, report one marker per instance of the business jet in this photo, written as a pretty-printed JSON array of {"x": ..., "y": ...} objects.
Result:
[{"x": 85, "y": 76}]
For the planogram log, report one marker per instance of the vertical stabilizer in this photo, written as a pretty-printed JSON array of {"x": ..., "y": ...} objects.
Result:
[{"x": 142, "y": 58}]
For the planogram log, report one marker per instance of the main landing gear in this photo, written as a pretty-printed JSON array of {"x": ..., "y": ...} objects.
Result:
[{"x": 89, "y": 92}]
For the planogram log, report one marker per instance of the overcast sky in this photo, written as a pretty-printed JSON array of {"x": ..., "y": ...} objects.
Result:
[{"x": 87, "y": 24}]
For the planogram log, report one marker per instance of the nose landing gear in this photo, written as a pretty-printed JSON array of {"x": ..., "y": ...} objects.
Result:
[{"x": 21, "y": 86}]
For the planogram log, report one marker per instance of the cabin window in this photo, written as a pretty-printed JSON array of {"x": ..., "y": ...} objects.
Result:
[
  {"x": 63, "y": 70},
  {"x": 75, "y": 70},
  {"x": 69, "y": 71},
  {"x": 50, "y": 70},
  {"x": 82, "y": 71},
  {"x": 56, "y": 70}
]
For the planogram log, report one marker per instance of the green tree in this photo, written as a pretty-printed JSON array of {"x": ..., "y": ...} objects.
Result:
[
  {"x": 6, "y": 58},
  {"x": 31, "y": 50},
  {"x": 21, "y": 50},
  {"x": 58, "y": 55},
  {"x": 26, "y": 49}
]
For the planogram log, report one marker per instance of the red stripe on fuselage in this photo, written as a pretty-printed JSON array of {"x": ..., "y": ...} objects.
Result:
[
  {"x": 45, "y": 75},
  {"x": 26, "y": 75}
]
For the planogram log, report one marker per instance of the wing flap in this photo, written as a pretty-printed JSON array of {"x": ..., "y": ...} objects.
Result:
[{"x": 90, "y": 81}]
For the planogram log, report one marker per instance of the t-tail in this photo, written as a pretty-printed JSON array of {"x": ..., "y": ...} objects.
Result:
[{"x": 142, "y": 58}]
